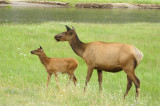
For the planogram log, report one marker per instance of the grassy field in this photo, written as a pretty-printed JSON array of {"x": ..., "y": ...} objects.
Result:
[{"x": 23, "y": 77}]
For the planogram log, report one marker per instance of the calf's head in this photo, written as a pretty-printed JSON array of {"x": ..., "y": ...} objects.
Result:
[
  {"x": 67, "y": 35},
  {"x": 37, "y": 51}
]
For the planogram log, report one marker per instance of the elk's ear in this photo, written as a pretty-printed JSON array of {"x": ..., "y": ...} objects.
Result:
[
  {"x": 40, "y": 47},
  {"x": 68, "y": 28},
  {"x": 73, "y": 28}
]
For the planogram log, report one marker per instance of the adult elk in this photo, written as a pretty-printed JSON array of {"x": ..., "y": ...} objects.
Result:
[{"x": 109, "y": 57}]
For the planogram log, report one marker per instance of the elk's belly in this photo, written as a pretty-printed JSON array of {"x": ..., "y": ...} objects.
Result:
[
  {"x": 117, "y": 69},
  {"x": 108, "y": 68}
]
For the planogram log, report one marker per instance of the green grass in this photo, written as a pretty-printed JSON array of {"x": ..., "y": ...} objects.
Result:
[{"x": 23, "y": 77}]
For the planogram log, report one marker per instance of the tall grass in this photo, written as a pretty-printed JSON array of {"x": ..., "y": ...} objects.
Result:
[{"x": 23, "y": 77}]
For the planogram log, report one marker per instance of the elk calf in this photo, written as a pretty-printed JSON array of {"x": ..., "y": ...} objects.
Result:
[{"x": 57, "y": 65}]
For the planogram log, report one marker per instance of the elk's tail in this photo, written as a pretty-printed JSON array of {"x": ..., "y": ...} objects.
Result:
[{"x": 138, "y": 55}]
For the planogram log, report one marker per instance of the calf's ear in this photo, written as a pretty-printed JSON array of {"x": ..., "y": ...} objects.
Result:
[{"x": 40, "y": 47}]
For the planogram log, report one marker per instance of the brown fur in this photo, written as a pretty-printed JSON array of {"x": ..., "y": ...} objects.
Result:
[
  {"x": 57, "y": 65},
  {"x": 109, "y": 57}
]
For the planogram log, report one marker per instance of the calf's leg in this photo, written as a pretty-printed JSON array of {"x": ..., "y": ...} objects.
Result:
[
  {"x": 56, "y": 79},
  {"x": 74, "y": 79},
  {"x": 48, "y": 79}
]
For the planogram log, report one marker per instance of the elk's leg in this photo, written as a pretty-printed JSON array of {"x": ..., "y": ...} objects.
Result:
[
  {"x": 129, "y": 85},
  {"x": 100, "y": 76},
  {"x": 134, "y": 79},
  {"x": 74, "y": 79},
  {"x": 137, "y": 85},
  {"x": 56, "y": 79},
  {"x": 89, "y": 74},
  {"x": 48, "y": 79}
]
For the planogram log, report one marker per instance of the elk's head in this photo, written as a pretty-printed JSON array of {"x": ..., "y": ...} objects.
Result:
[
  {"x": 37, "y": 51},
  {"x": 67, "y": 35}
]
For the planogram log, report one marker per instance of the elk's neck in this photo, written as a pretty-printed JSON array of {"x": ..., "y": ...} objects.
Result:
[
  {"x": 44, "y": 59},
  {"x": 77, "y": 46}
]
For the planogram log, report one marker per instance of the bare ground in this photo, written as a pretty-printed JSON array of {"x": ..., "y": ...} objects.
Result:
[
  {"x": 77, "y": 5},
  {"x": 33, "y": 4}
]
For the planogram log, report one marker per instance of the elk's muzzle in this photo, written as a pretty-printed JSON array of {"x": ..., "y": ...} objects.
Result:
[{"x": 57, "y": 37}]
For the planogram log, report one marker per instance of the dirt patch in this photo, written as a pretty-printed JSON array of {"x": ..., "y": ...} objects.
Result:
[
  {"x": 50, "y": 3},
  {"x": 34, "y": 4},
  {"x": 4, "y": 2},
  {"x": 78, "y": 5},
  {"x": 117, "y": 5},
  {"x": 149, "y": 6},
  {"x": 94, "y": 5}
]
